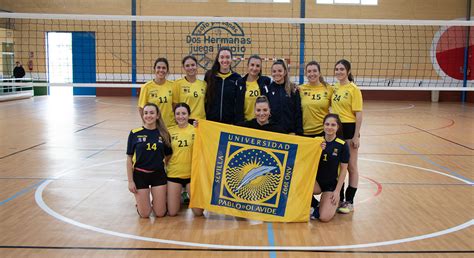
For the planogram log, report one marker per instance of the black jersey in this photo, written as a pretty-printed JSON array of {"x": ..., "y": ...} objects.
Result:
[
  {"x": 335, "y": 153},
  {"x": 147, "y": 149}
]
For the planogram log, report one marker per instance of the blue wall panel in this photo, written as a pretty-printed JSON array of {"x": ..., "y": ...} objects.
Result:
[{"x": 83, "y": 62}]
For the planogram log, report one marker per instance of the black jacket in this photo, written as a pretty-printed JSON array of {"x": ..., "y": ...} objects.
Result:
[
  {"x": 263, "y": 83},
  {"x": 285, "y": 110},
  {"x": 271, "y": 126},
  {"x": 222, "y": 107}
]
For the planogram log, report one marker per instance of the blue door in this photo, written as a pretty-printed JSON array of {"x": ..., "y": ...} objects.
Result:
[{"x": 83, "y": 61}]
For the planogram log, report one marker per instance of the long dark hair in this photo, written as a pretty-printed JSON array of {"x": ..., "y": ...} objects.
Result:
[
  {"x": 347, "y": 65},
  {"x": 210, "y": 76},
  {"x": 258, "y": 58},
  {"x": 339, "y": 132},
  {"x": 160, "y": 125},
  {"x": 321, "y": 78}
]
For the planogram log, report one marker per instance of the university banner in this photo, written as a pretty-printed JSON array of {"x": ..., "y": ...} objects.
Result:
[{"x": 253, "y": 174}]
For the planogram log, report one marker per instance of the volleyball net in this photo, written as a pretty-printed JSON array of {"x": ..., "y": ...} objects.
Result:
[{"x": 119, "y": 51}]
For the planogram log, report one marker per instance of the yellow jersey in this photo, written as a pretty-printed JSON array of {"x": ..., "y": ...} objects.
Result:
[
  {"x": 315, "y": 102},
  {"x": 251, "y": 94},
  {"x": 192, "y": 94},
  {"x": 182, "y": 139},
  {"x": 346, "y": 100},
  {"x": 162, "y": 96}
]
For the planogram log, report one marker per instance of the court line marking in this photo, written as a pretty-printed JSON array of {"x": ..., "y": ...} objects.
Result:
[
  {"x": 379, "y": 189},
  {"x": 229, "y": 250},
  {"x": 89, "y": 126},
  {"x": 271, "y": 238},
  {"x": 440, "y": 137},
  {"x": 23, "y": 150},
  {"x": 21, "y": 192},
  {"x": 39, "y": 200},
  {"x": 452, "y": 122},
  {"x": 426, "y": 159},
  {"x": 410, "y": 106},
  {"x": 113, "y": 104}
]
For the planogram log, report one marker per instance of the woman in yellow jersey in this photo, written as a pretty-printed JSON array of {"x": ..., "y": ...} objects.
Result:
[
  {"x": 179, "y": 165},
  {"x": 159, "y": 91},
  {"x": 191, "y": 90},
  {"x": 347, "y": 103},
  {"x": 252, "y": 85},
  {"x": 147, "y": 147},
  {"x": 315, "y": 100}
]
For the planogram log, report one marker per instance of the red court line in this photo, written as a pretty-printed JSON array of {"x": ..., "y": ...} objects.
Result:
[
  {"x": 417, "y": 131},
  {"x": 379, "y": 189}
]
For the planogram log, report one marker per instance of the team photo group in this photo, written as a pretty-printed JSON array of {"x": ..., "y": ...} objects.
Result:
[{"x": 160, "y": 152}]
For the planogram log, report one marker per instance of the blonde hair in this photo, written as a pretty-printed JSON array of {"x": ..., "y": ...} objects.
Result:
[{"x": 289, "y": 86}]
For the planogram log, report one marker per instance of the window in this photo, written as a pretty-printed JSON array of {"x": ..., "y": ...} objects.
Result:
[{"x": 356, "y": 2}]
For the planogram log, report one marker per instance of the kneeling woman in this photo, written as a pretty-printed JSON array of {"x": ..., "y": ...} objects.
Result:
[
  {"x": 146, "y": 149},
  {"x": 179, "y": 165},
  {"x": 332, "y": 169},
  {"x": 262, "y": 117}
]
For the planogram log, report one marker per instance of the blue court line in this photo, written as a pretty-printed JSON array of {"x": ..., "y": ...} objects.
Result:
[
  {"x": 25, "y": 190},
  {"x": 101, "y": 150},
  {"x": 21, "y": 192},
  {"x": 423, "y": 157},
  {"x": 271, "y": 239}
]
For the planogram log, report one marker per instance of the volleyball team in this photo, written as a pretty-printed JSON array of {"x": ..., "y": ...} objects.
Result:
[{"x": 159, "y": 153}]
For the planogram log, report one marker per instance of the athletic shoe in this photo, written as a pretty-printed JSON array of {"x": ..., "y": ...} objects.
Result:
[
  {"x": 185, "y": 197},
  {"x": 345, "y": 208},
  {"x": 314, "y": 213}
]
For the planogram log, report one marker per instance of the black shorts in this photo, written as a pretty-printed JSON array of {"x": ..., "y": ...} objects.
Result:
[
  {"x": 145, "y": 180},
  {"x": 314, "y": 135},
  {"x": 182, "y": 181},
  {"x": 348, "y": 129},
  {"x": 327, "y": 186}
]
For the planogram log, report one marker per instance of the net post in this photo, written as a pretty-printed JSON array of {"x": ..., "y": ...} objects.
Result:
[
  {"x": 302, "y": 41},
  {"x": 466, "y": 52},
  {"x": 134, "y": 47},
  {"x": 435, "y": 96}
]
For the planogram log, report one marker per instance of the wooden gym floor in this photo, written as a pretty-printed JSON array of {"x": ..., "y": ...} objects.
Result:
[{"x": 64, "y": 190}]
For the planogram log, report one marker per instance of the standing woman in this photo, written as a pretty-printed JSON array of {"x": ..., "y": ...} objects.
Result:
[
  {"x": 146, "y": 149},
  {"x": 347, "y": 103},
  {"x": 284, "y": 100},
  {"x": 191, "y": 90},
  {"x": 159, "y": 91},
  {"x": 315, "y": 100},
  {"x": 179, "y": 165},
  {"x": 252, "y": 85},
  {"x": 332, "y": 169},
  {"x": 221, "y": 90}
]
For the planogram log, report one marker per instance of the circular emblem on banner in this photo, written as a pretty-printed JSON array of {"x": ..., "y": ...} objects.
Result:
[
  {"x": 253, "y": 175},
  {"x": 208, "y": 37}
]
